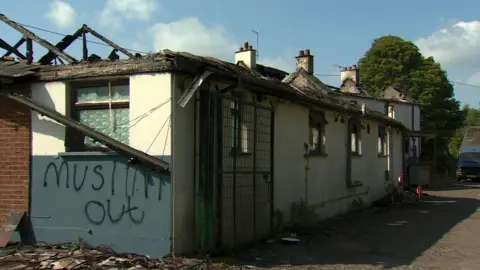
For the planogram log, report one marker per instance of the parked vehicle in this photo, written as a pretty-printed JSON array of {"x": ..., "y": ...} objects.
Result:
[{"x": 468, "y": 165}]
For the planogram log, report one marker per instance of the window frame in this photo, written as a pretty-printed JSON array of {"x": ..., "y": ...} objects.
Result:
[
  {"x": 74, "y": 140},
  {"x": 382, "y": 141},
  {"x": 240, "y": 145},
  {"x": 317, "y": 120},
  {"x": 356, "y": 128}
]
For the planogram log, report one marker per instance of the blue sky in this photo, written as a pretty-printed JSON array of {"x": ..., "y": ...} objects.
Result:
[{"x": 337, "y": 32}]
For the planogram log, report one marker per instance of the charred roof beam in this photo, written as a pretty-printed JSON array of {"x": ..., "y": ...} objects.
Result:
[
  {"x": 15, "y": 48},
  {"x": 30, "y": 35},
  {"x": 4, "y": 45},
  {"x": 61, "y": 45},
  {"x": 106, "y": 40}
]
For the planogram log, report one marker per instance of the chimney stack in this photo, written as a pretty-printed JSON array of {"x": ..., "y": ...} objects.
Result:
[
  {"x": 352, "y": 73},
  {"x": 305, "y": 60},
  {"x": 247, "y": 55}
]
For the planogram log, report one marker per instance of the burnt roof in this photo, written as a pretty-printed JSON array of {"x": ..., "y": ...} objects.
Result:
[
  {"x": 265, "y": 80},
  {"x": 14, "y": 69}
]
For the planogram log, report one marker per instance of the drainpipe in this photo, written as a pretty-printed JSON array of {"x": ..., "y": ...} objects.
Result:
[
  {"x": 172, "y": 168},
  {"x": 349, "y": 153},
  {"x": 307, "y": 168},
  {"x": 413, "y": 129}
]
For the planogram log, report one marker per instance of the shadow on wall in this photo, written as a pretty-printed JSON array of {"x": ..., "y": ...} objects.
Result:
[
  {"x": 42, "y": 124},
  {"x": 14, "y": 113},
  {"x": 376, "y": 238},
  {"x": 103, "y": 200}
]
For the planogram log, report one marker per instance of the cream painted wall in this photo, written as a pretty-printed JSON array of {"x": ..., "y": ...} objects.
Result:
[
  {"x": 146, "y": 92},
  {"x": 291, "y": 132},
  {"x": 324, "y": 186},
  {"x": 403, "y": 113},
  {"x": 183, "y": 126},
  {"x": 370, "y": 103},
  {"x": 47, "y": 134}
]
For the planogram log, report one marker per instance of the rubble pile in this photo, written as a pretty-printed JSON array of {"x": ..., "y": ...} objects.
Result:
[{"x": 74, "y": 256}]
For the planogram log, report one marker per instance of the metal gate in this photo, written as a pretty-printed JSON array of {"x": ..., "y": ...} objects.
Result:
[{"x": 236, "y": 163}]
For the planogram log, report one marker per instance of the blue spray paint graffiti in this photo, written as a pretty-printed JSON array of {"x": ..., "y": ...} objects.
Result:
[
  {"x": 96, "y": 174},
  {"x": 102, "y": 199}
]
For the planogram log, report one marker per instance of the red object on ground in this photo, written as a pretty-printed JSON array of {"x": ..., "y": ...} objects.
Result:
[{"x": 419, "y": 192}]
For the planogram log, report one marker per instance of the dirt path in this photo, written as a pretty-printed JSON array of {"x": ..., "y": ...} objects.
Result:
[{"x": 441, "y": 233}]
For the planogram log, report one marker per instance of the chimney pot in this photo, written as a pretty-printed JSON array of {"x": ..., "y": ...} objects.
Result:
[
  {"x": 354, "y": 67},
  {"x": 349, "y": 68},
  {"x": 344, "y": 68},
  {"x": 247, "y": 56},
  {"x": 305, "y": 61}
]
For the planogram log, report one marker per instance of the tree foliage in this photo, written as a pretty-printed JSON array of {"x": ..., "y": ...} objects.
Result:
[
  {"x": 394, "y": 61},
  {"x": 472, "y": 118}
]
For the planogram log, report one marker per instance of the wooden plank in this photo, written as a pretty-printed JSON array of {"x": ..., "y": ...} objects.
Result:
[
  {"x": 4, "y": 45},
  {"x": 28, "y": 34},
  {"x": 109, "y": 42},
  {"x": 16, "y": 46},
  {"x": 61, "y": 45}
]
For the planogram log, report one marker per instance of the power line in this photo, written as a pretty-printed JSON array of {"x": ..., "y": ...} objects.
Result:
[
  {"x": 144, "y": 115},
  {"x": 64, "y": 35},
  {"x": 454, "y": 82},
  {"x": 158, "y": 133},
  {"x": 466, "y": 84}
]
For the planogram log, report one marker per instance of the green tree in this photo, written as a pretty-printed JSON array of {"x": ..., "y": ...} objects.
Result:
[
  {"x": 394, "y": 61},
  {"x": 472, "y": 118}
]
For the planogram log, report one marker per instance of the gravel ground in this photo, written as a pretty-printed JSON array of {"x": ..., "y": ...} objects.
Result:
[{"x": 442, "y": 232}]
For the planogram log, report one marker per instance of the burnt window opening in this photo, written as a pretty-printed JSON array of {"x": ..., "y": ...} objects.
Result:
[
  {"x": 317, "y": 134},
  {"x": 239, "y": 127},
  {"x": 382, "y": 141},
  {"x": 103, "y": 106},
  {"x": 356, "y": 138}
]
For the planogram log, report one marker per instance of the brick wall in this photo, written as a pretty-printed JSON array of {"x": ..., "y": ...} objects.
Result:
[{"x": 15, "y": 142}]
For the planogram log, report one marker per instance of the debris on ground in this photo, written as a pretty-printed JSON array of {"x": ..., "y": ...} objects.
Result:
[{"x": 74, "y": 256}]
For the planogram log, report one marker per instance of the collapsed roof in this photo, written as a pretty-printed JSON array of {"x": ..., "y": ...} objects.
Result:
[{"x": 310, "y": 92}]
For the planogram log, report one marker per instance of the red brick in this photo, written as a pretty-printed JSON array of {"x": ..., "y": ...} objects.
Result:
[{"x": 15, "y": 148}]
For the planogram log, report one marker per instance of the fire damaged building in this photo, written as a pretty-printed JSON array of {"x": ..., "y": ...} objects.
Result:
[{"x": 177, "y": 153}]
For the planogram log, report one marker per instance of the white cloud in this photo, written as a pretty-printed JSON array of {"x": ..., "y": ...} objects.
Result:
[
  {"x": 190, "y": 35},
  {"x": 61, "y": 14},
  {"x": 456, "y": 45},
  {"x": 114, "y": 10}
]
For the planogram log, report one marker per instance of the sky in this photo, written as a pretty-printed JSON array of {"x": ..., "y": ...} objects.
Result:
[{"x": 338, "y": 32}]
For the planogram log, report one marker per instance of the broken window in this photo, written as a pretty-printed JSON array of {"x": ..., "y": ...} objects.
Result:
[
  {"x": 317, "y": 140},
  {"x": 382, "y": 141},
  {"x": 239, "y": 128},
  {"x": 103, "y": 106},
  {"x": 356, "y": 138}
]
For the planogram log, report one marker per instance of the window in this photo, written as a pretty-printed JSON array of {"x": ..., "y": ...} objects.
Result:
[
  {"x": 356, "y": 138},
  {"x": 103, "y": 106},
  {"x": 239, "y": 128},
  {"x": 382, "y": 141},
  {"x": 317, "y": 123}
]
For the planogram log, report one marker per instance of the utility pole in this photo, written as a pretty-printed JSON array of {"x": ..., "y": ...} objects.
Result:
[{"x": 258, "y": 42}]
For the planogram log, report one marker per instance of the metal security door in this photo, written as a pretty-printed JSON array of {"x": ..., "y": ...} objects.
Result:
[{"x": 245, "y": 171}]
